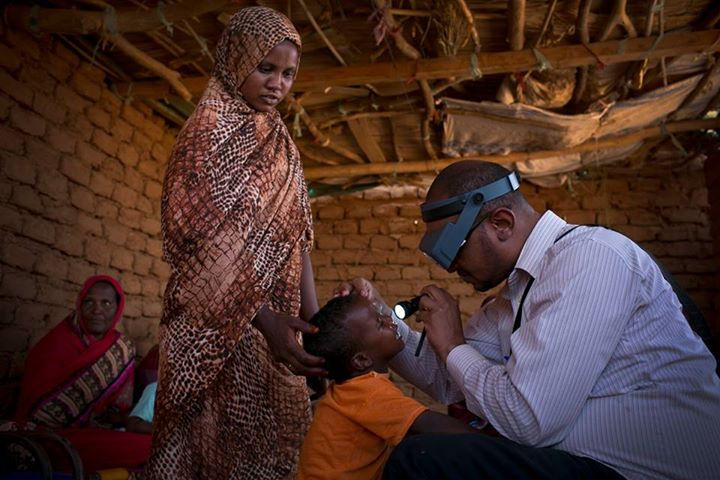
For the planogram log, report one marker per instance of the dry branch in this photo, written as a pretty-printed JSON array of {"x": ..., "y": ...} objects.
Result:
[
  {"x": 618, "y": 17},
  {"x": 435, "y": 165},
  {"x": 471, "y": 23},
  {"x": 320, "y": 32}
]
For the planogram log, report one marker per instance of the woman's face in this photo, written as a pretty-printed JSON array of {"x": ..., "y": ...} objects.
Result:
[
  {"x": 272, "y": 79},
  {"x": 98, "y": 308}
]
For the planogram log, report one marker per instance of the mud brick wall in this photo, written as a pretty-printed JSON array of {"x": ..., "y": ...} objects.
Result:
[
  {"x": 712, "y": 176},
  {"x": 80, "y": 184}
]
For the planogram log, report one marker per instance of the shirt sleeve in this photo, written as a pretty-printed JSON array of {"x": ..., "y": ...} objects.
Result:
[
  {"x": 574, "y": 316},
  {"x": 145, "y": 408},
  {"x": 379, "y": 406}
]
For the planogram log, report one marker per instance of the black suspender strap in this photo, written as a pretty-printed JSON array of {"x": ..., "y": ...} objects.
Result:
[{"x": 518, "y": 315}]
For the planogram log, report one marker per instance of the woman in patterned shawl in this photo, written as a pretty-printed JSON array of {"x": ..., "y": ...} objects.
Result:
[
  {"x": 237, "y": 234},
  {"x": 79, "y": 380}
]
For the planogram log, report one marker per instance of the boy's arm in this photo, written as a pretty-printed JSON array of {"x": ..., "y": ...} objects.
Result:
[
  {"x": 138, "y": 425},
  {"x": 434, "y": 422}
]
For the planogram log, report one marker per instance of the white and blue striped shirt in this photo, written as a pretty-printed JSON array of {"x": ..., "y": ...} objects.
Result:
[{"x": 604, "y": 364}]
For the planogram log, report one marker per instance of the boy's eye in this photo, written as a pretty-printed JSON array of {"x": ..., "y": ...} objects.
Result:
[
  {"x": 264, "y": 69},
  {"x": 288, "y": 73}
]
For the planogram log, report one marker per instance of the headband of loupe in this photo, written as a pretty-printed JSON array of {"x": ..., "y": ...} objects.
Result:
[{"x": 443, "y": 245}]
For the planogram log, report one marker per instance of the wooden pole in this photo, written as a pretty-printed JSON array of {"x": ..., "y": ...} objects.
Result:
[
  {"x": 567, "y": 56},
  {"x": 316, "y": 173},
  {"x": 516, "y": 24}
]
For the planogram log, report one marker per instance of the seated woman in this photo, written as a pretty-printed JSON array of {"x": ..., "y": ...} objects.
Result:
[{"x": 79, "y": 380}]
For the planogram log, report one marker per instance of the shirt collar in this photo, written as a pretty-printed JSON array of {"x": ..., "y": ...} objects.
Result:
[{"x": 541, "y": 238}]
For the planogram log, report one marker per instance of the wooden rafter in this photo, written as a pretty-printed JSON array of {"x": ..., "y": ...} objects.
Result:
[
  {"x": 516, "y": 24},
  {"x": 314, "y": 173},
  {"x": 566, "y": 56},
  {"x": 70, "y": 21}
]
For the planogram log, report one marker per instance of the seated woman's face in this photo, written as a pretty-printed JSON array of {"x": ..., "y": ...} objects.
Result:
[
  {"x": 98, "y": 308},
  {"x": 272, "y": 79}
]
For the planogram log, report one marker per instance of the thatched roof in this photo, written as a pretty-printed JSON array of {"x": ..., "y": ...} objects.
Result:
[{"x": 388, "y": 89}]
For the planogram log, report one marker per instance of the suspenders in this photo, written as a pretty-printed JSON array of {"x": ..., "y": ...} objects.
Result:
[{"x": 518, "y": 315}]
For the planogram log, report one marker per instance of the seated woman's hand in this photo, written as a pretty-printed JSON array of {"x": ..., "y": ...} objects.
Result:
[
  {"x": 365, "y": 289},
  {"x": 280, "y": 332}
]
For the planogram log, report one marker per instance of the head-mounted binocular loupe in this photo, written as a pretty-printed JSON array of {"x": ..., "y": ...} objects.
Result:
[{"x": 443, "y": 245}]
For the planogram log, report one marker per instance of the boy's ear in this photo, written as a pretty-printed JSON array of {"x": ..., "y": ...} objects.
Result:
[{"x": 360, "y": 362}]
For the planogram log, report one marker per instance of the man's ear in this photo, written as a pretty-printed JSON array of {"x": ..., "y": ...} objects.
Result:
[
  {"x": 361, "y": 362},
  {"x": 503, "y": 222}
]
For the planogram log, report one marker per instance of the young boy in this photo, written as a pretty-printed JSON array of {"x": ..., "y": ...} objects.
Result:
[{"x": 363, "y": 414}]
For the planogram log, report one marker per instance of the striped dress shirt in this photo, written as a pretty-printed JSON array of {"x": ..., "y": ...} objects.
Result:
[{"x": 604, "y": 365}]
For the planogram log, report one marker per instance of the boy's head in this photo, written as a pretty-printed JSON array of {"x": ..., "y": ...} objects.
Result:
[{"x": 353, "y": 337}]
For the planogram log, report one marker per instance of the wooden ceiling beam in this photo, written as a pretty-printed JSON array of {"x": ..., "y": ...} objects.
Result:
[
  {"x": 341, "y": 171},
  {"x": 566, "y": 56},
  {"x": 80, "y": 22}
]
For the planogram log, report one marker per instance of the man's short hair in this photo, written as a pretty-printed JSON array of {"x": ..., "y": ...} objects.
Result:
[
  {"x": 467, "y": 175},
  {"x": 333, "y": 341}
]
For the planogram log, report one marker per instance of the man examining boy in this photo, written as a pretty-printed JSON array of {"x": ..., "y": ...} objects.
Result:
[
  {"x": 363, "y": 414},
  {"x": 583, "y": 361}
]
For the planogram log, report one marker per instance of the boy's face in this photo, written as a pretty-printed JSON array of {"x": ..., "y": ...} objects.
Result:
[{"x": 378, "y": 336}]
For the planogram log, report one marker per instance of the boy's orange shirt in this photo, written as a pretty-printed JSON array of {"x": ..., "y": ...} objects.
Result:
[{"x": 356, "y": 424}]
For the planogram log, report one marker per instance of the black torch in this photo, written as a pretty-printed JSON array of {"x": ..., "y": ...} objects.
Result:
[{"x": 406, "y": 308}]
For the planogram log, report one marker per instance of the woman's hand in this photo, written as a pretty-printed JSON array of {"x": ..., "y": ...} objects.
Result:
[
  {"x": 366, "y": 290},
  {"x": 280, "y": 332}
]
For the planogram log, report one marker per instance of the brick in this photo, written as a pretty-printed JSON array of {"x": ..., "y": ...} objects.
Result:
[
  {"x": 20, "y": 169},
  {"x": 136, "y": 241},
  {"x": 52, "y": 184},
  {"x": 149, "y": 169},
  {"x": 159, "y": 153},
  {"x": 9, "y": 59},
  {"x": 105, "y": 142},
  {"x": 5, "y": 104},
  {"x": 85, "y": 86},
  {"x": 402, "y": 225},
  {"x": 39, "y": 229},
  {"x": 98, "y": 117},
  {"x": 384, "y": 211},
  {"x": 411, "y": 242},
  {"x": 81, "y": 271},
  {"x": 26, "y": 197},
  {"x": 356, "y": 242},
  {"x": 376, "y": 194},
  {"x": 409, "y": 211},
  {"x": 380, "y": 242},
  {"x": 415, "y": 273},
  {"x": 143, "y": 108},
  {"x": 374, "y": 257},
  {"x": 92, "y": 72},
  {"x": 121, "y": 259},
  {"x": 133, "y": 116},
  {"x": 578, "y": 216},
  {"x": 329, "y": 242},
  {"x": 15, "y": 338},
  {"x": 160, "y": 268},
  {"x": 329, "y": 273},
  {"x": 58, "y": 68},
  {"x": 125, "y": 196},
  {"x": 612, "y": 217},
  {"x": 82, "y": 198},
  {"x": 81, "y": 128},
  {"x": 699, "y": 198},
  {"x": 121, "y": 130},
  {"x": 128, "y": 155},
  {"x": 89, "y": 224},
  {"x": 685, "y": 215},
  {"x": 643, "y": 217},
  {"x": 150, "y": 287},
  {"x": 344, "y": 227},
  {"x": 113, "y": 169},
  {"x": 10, "y": 219},
  {"x": 26, "y": 43},
  {"x": 111, "y": 102},
  {"x": 27, "y": 121},
  {"x": 97, "y": 251},
  {"x": 17, "y": 256},
  {"x": 74, "y": 102},
  {"x": 331, "y": 212},
  {"x": 151, "y": 308},
  {"x": 565, "y": 204},
  {"x": 20, "y": 92},
  {"x": 53, "y": 295},
  {"x": 373, "y": 225},
  {"x": 69, "y": 241},
  {"x": 142, "y": 142},
  {"x": 61, "y": 213},
  {"x": 42, "y": 154},
  {"x": 406, "y": 257},
  {"x": 11, "y": 140},
  {"x": 390, "y": 272},
  {"x": 116, "y": 233},
  {"x": 134, "y": 180},
  {"x": 60, "y": 139},
  {"x": 130, "y": 218},
  {"x": 5, "y": 191},
  {"x": 321, "y": 258},
  {"x": 151, "y": 226},
  {"x": 18, "y": 285},
  {"x": 458, "y": 289},
  {"x": 144, "y": 205},
  {"x": 37, "y": 79},
  {"x": 360, "y": 271},
  {"x": 101, "y": 185},
  {"x": 47, "y": 108},
  {"x": 358, "y": 211},
  {"x": 143, "y": 263},
  {"x": 154, "y": 247},
  {"x": 67, "y": 55},
  {"x": 155, "y": 133},
  {"x": 639, "y": 234},
  {"x": 52, "y": 265},
  {"x": 75, "y": 170},
  {"x": 673, "y": 233},
  {"x": 107, "y": 209}
]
